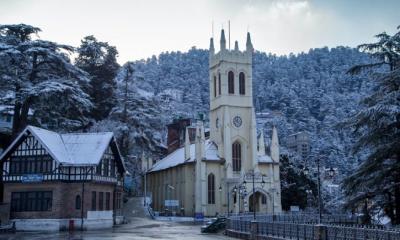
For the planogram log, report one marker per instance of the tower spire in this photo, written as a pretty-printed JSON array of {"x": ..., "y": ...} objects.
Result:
[
  {"x": 236, "y": 46},
  {"x": 261, "y": 144},
  {"x": 223, "y": 40},
  {"x": 187, "y": 145},
  {"x": 249, "y": 45},
  {"x": 275, "y": 145},
  {"x": 212, "y": 50}
]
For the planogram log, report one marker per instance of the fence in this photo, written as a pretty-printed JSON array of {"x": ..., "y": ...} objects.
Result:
[
  {"x": 245, "y": 227},
  {"x": 301, "y": 218}
]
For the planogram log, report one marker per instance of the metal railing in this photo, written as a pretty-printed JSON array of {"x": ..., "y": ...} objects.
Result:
[
  {"x": 301, "y": 218},
  {"x": 336, "y": 232},
  {"x": 285, "y": 229}
]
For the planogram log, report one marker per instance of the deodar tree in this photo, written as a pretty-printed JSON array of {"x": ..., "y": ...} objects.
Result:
[
  {"x": 376, "y": 182},
  {"x": 99, "y": 59},
  {"x": 40, "y": 77}
]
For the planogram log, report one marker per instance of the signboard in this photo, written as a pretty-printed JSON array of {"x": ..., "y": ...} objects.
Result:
[
  {"x": 171, "y": 203},
  {"x": 198, "y": 216},
  {"x": 31, "y": 178}
]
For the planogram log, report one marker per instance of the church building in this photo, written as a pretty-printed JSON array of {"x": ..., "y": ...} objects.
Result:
[{"x": 228, "y": 171}]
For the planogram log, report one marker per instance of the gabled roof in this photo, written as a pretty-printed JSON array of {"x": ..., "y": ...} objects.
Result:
[
  {"x": 177, "y": 157},
  {"x": 70, "y": 149}
]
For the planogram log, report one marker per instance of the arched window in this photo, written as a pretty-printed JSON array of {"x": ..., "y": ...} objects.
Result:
[
  {"x": 215, "y": 86},
  {"x": 231, "y": 82},
  {"x": 219, "y": 83},
  {"x": 236, "y": 157},
  {"x": 78, "y": 202},
  {"x": 211, "y": 188},
  {"x": 242, "y": 84}
]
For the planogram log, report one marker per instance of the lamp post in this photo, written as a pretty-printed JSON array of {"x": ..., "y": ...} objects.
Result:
[
  {"x": 309, "y": 192},
  {"x": 306, "y": 171},
  {"x": 253, "y": 175},
  {"x": 273, "y": 190}
]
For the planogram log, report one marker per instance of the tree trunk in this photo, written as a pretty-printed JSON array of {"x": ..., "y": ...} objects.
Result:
[
  {"x": 24, "y": 115},
  {"x": 397, "y": 205},
  {"x": 16, "y": 120},
  {"x": 389, "y": 210},
  {"x": 397, "y": 196}
]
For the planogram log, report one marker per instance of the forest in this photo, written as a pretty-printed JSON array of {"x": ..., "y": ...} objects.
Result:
[{"x": 83, "y": 88}]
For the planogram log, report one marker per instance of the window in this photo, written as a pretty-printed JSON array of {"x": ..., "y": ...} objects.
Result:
[
  {"x": 98, "y": 168},
  {"x": 106, "y": 162},
  {"x": 30, "y": 157},
  {"x": 219, "y": 83},
  {"x": 31, "y": 201},
  {"x": 263, "y": 199},
  {"x": 231, "y": 83},
  {"x": 112, "y": 168},
  {"x": 108, "y": 196},
  {"x": 101, "y": 201},
  {"x": 94, "y": 201},
  {"x": 215, "y": 86},
  {"x": 242, "y": 85},
  {"x": 78, "y": 202},
  {"x": 236, "y": 157},
  {"x": 211, "y": 188}
]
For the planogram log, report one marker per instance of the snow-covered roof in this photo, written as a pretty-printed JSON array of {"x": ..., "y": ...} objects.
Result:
[
  {"x": 9, "y": 109},
  {"x": 264, "y": 159},
  {"x": 72, "y": 148},
  {"x": 177, "y": 157}
]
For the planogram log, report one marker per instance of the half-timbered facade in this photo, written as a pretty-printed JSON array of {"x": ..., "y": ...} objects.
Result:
[{"x": 63, "y": 181}]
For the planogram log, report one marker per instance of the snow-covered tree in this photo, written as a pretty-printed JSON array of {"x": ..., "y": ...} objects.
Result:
[
  {"x": 41, "y": 77},
  {"x": 377, "y": 127},
  {"x": 99, "y": 60}
]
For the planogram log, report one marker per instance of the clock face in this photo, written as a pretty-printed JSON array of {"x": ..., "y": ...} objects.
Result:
[{"x": 237, "y": 121}]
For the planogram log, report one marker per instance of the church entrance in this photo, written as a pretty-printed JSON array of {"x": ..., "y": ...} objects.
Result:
[{"x": 255, "y": 204}]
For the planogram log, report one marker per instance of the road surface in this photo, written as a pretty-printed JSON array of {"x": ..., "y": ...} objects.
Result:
[{"x": 139, "y": 227}]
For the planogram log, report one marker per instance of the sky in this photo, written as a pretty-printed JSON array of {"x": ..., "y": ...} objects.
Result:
[{"x": 142, "y": 28}]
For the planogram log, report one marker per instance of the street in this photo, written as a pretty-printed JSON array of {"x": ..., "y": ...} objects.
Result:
[{"x": 138, "y": 228}]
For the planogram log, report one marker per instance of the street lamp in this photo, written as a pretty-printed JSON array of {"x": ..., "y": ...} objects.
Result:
[
  {"x": 306, "y": 171},
  {"x": 242, "y": 194},
  {"x": 253, "y": 175}
]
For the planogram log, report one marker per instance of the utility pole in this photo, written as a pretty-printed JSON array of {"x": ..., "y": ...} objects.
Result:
[
  {"x": 145, "y": 179},
  {"x": 319, "y": 193}
]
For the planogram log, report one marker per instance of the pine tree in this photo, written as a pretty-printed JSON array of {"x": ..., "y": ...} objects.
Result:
[
  {"x": 99, "y": 60},
  {"x": 377, "y": 127},
  {"x": 40, "y": 76},
  {"x": 295, "y": 185}
]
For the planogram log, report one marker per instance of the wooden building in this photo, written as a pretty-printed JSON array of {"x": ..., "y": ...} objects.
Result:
[{"x": 62, "y": 181}]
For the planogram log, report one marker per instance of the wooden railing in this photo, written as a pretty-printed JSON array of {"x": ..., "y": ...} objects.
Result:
[{"x": 65, "y": 177}]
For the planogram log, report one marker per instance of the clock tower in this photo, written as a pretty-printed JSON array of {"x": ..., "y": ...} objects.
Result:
[{"x": 232, "y": 118}]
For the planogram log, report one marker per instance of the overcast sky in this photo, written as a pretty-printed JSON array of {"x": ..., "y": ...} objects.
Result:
[{"x": 142, "y": 28}]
